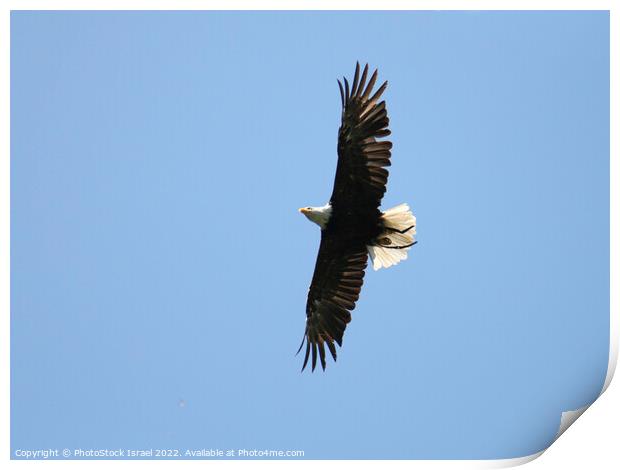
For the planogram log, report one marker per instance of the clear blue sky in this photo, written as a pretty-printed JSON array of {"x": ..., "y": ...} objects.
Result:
[{"x": 160, "y": 267}]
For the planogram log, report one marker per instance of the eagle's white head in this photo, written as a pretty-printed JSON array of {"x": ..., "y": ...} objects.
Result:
[{"x": 318, "y": 215}]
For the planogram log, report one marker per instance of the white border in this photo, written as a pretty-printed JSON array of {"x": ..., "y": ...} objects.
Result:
[{"x": 566, "y": 460}]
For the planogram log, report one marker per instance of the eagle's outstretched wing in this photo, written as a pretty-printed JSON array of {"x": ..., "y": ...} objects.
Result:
[
  {"x": 335, "y": 287},
  {"x": 361, "y": 175},
  {"x": 359, "y": 186}
]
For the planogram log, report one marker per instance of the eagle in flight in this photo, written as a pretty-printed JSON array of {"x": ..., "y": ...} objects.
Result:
[{"x": 352, "y": 225}]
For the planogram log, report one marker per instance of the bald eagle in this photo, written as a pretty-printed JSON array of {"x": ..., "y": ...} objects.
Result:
[{"x": 352, "y": 225}]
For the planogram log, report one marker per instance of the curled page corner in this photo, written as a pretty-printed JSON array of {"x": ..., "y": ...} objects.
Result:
[
  {"x": 568, "y": 418},
  {"x": 513, "y": 462}
]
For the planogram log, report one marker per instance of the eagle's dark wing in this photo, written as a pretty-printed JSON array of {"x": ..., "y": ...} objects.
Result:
[
  {"x": 358, "y": 189},
  {"x": 361, "y": 175},
  {"x": 336, "y": 285}
]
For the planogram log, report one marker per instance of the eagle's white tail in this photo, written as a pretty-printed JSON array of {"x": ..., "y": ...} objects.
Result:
[{"x": 400, "y": 232}]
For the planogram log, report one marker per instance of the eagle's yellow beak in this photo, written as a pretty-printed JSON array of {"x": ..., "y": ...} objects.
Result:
[{"x": 303, "y": 210}]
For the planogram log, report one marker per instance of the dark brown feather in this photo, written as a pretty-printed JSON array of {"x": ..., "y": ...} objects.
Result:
[
  {"x": 341, "y": 93},
  {"x": 371, "y": 84},
  {"x": 362, "y": 80},
  {"x": 355, "y": 79}
]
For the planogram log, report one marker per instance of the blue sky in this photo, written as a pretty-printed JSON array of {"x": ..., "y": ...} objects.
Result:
[{"x": 160, "y": 267}]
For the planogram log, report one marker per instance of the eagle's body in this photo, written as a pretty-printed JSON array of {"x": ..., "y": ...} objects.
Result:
[{"x": 352, "y": 225}]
